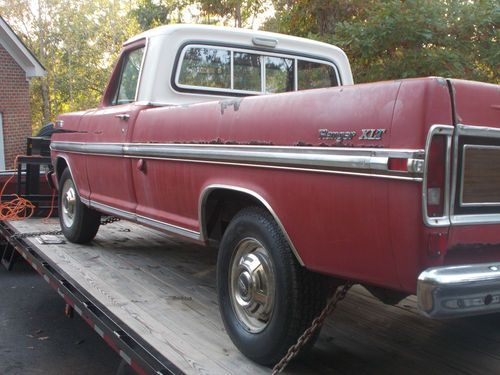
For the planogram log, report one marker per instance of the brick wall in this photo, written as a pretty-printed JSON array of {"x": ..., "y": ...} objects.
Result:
[{"x": 14, "y": 106}]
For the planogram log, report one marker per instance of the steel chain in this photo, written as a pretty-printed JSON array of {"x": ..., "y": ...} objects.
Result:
[
  {"x": 109, "y": 220},
  {"x": 36, "y": 234},
  {"x": 106, "y": 221},
  {"x": 317, "y": 323}
]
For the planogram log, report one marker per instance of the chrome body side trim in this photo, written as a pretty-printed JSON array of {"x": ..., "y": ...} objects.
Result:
[
  {"x": 112, "y": 211},
  {"x": 165, "y": 227},
  {"x": 455, "y": 291},
  {"x": 169, "y": 227},
  {"x": 444, "y": 220},
  {"x": 317, "y": 160},
  {"x": 202, "y": 212},
  {"x": 365, "y": 161},
  {"x": 86, "y": 147}
]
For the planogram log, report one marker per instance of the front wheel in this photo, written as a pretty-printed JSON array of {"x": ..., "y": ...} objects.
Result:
[
  {"x": 266, "y": 298},
  {"x": 79, "y": 223}
]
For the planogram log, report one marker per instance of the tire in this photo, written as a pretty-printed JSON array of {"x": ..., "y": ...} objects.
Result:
[
  {"x": 254, "y": 255},
  {"x": 79, "y": 223},
  {"x": 47, "y": 130}
]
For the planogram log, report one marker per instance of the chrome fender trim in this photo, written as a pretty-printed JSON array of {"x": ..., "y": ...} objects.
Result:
[
  {"x": 65, "y": 158},
  {"x": 202, "y": 211}
]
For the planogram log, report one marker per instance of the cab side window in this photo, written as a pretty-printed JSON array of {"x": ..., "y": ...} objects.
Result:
[
  {"x": 129, "y": 77},
  {"x": 315, "y": 75},
  {"x": 279, "y": 74},
  {"x": 206, "y": 67},
  {"x": 247, "y": 72}
]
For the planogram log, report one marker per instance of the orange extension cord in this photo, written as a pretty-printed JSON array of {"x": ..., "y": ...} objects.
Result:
[{"x": 19, "y": 208}]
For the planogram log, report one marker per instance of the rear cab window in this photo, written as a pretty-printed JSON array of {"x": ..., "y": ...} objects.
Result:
[{"x": 239, "y": 71}]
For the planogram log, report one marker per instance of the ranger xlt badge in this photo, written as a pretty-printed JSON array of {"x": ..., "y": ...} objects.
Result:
[{"x": 372, "y": 134}]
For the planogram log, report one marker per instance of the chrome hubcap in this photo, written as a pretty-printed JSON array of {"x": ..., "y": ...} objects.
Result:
[
  {"x": 68, "y": 196},
  {"x": 252, "y": 288}
]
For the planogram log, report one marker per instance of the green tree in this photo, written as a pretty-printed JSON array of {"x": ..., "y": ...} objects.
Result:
[
  {"x": 77, "y": 42},
  {"x": 314, "y": 17},
  {"x": 402, "y": 38},
  {"x": 235, "y": 13},
  {"x": 151, "y": 13}
]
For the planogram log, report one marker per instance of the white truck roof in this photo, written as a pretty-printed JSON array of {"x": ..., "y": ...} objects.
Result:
[{"x": 164, "y": 43}]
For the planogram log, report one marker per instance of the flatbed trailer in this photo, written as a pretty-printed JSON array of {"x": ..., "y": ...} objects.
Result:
[{"x": 152, "y": 299}]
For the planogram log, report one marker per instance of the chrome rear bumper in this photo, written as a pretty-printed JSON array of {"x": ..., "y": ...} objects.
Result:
[{"x": 455, "y": 291}]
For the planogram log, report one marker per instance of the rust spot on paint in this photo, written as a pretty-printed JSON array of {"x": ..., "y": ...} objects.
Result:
[
  {"x": 303, "y": 144},
  {"x": 260, "y": 143},
  {"x": 219, "y": 141},
  {"x": 235, "y": 103}
]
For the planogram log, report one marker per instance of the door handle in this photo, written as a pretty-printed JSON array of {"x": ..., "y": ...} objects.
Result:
[{"x": 123, "y": 116}]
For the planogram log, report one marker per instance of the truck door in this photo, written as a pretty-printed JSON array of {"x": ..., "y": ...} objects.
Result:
[{"x": 109, "y": 129}]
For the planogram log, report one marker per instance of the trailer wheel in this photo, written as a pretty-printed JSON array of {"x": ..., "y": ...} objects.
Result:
[
  {"x": 79, "y": 223},
  {"x": 266, "y": 298}
]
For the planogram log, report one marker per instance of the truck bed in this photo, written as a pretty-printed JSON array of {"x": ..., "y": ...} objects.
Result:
[{"x": 160, "y": 293}]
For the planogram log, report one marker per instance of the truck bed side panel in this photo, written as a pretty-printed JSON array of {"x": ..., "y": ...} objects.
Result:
[{"x": 338, "y": 223}]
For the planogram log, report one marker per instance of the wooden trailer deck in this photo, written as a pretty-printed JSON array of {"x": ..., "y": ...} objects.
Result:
[{"x": 163, "y": 289}]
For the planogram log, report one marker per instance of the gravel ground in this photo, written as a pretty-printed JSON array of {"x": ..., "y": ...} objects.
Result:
[{"x": 37, "y": 338}]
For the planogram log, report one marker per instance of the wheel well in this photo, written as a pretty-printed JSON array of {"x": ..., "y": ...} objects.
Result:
[
  {"x": 220, "y": 207},
  {"x": 60, "y": 166}
]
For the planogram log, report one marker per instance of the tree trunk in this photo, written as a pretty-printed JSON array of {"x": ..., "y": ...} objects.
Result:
[
  {"x": 44, "y": 88},
  {"x": 237, "y": 15}
]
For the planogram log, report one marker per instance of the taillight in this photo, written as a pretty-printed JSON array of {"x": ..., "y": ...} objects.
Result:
[{"x": 436, "y": 176}]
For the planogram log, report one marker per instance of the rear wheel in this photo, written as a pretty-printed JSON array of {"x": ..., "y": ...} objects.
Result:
[
  {"x": 266, "y": 298},
  {"x": 79, "y": 223}
]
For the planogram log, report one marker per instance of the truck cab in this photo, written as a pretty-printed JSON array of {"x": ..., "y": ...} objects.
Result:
[{"x": 181, "y": 64}]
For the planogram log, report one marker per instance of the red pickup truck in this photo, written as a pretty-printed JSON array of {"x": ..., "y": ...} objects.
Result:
[{"x": 394, "y": 185}]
